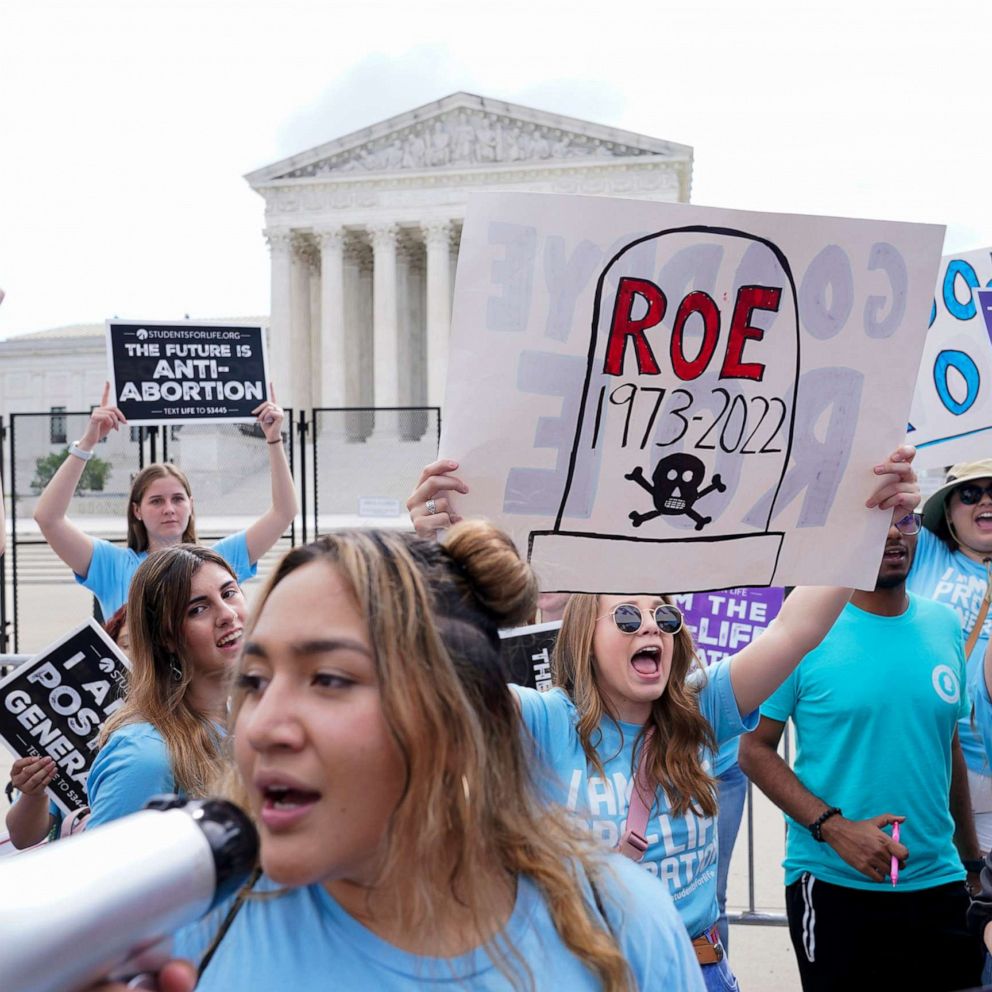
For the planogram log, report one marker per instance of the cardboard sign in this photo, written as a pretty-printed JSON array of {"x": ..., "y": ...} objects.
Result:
[
  {"x": 951, "y": 417},
  {"x": 186, "y": 373},
  {"x": 526, "y": 654},
  {"x": 724, "y": 622},
  {"x": 56, "y": 703},
  {"x": 656, "y": 397}
]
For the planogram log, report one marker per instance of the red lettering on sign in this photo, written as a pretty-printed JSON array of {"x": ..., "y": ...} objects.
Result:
[
  {"x": 749, "y": 299},
  {"x": 624, "y": 326},
  {"x": 701, "y": 303}
]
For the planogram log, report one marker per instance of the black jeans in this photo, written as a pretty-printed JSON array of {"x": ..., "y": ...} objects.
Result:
[{"x": 851, "y": 939}]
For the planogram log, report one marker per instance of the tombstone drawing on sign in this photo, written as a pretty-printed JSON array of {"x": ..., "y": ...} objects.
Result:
[{"x": 690, "y": 397}]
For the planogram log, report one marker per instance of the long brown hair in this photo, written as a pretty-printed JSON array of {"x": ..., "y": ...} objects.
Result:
[
  {"x": 469, "y": 804},
  {"x": 137, "y": 534},
  {"x": 680, "y": 730},
  {"x": 160, "y": 677}
]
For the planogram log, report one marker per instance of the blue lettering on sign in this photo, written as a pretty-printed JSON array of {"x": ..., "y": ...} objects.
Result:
[
  {"x": 968, "y": 370},
  {"x": 958, "y": 268},
  {"x": 826, "y": 294},
  {"x": 513, "y": 274}
]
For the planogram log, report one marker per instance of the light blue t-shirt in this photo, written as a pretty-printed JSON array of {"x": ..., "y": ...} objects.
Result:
[
  {"x": 983, "y": 715},
  {"x": 129, "y": 769},
  {"x": 682, "y": 850},
  {"x": 953, "y": 578},
  {"x": 303, "y": 940},
  {"x": 875, "y": 707},
  {"x": 112, "y": 568}
]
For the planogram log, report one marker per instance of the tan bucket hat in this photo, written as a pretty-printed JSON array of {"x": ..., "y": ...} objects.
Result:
[{"x": 933, "y": 509}]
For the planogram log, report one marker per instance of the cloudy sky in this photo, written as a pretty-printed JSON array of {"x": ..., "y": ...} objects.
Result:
[{"x": 127, "y": 125}]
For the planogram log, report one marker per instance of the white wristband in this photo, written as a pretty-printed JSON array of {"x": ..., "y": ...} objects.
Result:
[{"x": 74, "y": 449}]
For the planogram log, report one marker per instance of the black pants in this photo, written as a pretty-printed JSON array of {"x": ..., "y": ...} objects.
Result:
[{"x": 851, "y": 939}]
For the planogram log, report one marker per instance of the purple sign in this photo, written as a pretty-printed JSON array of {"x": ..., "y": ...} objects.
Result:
[{"x": 724, "y": 622}]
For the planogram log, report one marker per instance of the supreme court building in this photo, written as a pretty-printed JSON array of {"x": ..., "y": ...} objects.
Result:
[{"x": 363, "y": 234}]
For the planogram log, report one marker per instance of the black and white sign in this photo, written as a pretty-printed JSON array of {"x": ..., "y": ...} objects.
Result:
[
  {"x": 55, "y": 704},
  {"x": 526, "y": 654},
  {"x": 172, "y": 373}
]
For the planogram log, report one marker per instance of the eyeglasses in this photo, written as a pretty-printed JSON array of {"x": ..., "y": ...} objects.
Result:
[
  {"x": 628, "y": 618},
  {"x": 909, "y": 524},
  {"x": 970, "y": 493}
]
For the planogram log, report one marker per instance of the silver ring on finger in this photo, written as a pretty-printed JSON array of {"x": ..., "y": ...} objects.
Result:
[{"x": 431, "y": 507}]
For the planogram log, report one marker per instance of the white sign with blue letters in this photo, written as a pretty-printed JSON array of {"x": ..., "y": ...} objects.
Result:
[{"x": 951, "y": 417}]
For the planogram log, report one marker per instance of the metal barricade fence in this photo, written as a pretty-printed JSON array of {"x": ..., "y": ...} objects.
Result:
[{"x": 364, "y": 462}]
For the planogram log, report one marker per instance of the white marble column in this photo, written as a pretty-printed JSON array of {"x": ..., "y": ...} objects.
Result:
[
  {"x": 384, "y": 315},
  {"x": 299, "y": 337},
  {"x": 437, "y": 235},
  {"x": 333, "y": 358},
  {"x": 280, "y": 319}
]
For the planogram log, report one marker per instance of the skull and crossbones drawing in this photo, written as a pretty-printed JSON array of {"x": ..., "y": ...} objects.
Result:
[{"x": 674, "y": 488}]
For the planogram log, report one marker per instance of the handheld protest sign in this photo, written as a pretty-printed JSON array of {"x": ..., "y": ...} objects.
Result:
[
  {"x": 724, "y": 622},
  {"x": 56, "y": 703},
  {"x": 525, "y": 653},
  {"x": 951, "y": 417},
  {"x": 657, "y": 397},
  {"x": 186, "y": 373}
]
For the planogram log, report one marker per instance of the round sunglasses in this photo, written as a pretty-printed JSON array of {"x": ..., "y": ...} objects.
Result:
[
  {"x": 629, "y": 618},
  {"x": 970, "y": 494}
]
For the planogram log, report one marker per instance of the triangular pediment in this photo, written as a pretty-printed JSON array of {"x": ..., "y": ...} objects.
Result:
[{"x": 465, "y": 131}]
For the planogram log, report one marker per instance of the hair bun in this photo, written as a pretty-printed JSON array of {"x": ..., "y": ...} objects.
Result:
[{"x": 500, "y": 579}]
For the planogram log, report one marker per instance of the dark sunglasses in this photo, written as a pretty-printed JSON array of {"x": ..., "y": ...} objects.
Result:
[
  {"x": 970, "y": 494},
  {"x": 628, "y": 618},
  {"x": 909, "y": 524}
]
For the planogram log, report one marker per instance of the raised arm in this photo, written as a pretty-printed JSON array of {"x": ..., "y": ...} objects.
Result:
[
  {"x": 436, "y": 483},
  {"x": 809, "y": 613},
  {"x": 272, "y": 524},
  {"x": 70, "y": 543},
  {"x": 863, "y": 844}
]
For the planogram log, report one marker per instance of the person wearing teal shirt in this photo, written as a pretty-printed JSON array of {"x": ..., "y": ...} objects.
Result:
[
  {"x": 875, "y": 708},
  {"x": 186, "y": 617},
  {"x": 380, "y": 752},
  {"x": 950, "y": 567}
]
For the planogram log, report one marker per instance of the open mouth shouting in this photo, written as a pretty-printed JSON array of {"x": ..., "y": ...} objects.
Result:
[
  {"x": 895, "y": 554},
  {"x": 284, "y": 801},
  {"x": 983, "y": 520},
  {"x": 646, "y": 662}
]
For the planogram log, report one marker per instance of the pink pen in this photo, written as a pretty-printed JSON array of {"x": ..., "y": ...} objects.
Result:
[{"x": 895, "y": 860}]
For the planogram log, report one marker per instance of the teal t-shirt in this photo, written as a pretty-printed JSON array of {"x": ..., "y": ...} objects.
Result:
[
  {"x": 875, "y": 707},
  {"x": 682, "y": 850},
  {"x": 128, "y": 770},
  {"x": 953, "y": 578},
  {"x": 303, "y": 939},
  {"x": 112, "y": 568}
]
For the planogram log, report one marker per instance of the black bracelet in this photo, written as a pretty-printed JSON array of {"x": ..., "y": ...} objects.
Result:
[
  {"x": 973, "y": 866},
  {"x": 277, "y": 441},
  {"x": 815, "y": 828}
]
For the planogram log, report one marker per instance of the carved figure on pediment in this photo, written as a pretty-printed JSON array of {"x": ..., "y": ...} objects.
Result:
[
  {"x": 392, "y": 155},
  {"x": 486, "y": 139},
  {"x": 415, "y": 152},
  {"x": 463, "y": 152},
  {"x": 542, "y": 147},
  {"x": 508, "y": 151},
  {"x": 525, "y": 146},
  {"x": 440, "y": 152}
]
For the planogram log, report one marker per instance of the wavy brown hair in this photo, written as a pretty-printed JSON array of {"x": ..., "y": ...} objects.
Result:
[
  {"x": 469, "y": 805},
  {"x": 156, "y": 610},
  {"x": 680, "y": 730},
  {"x": 137, "y": 534}
]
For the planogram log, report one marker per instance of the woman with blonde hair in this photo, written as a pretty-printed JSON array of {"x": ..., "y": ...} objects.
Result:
[
  {"x": 631, "y": 730},
  {"x": 160, "y": 512},
  {"x": 185, "y": 621},
  {"x": 381, "y": 753}
]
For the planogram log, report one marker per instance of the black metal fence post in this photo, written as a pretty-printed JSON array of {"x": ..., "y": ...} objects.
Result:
[
  {"x": 3, "y": 555},
  {"x": 302, "y": 429}
]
